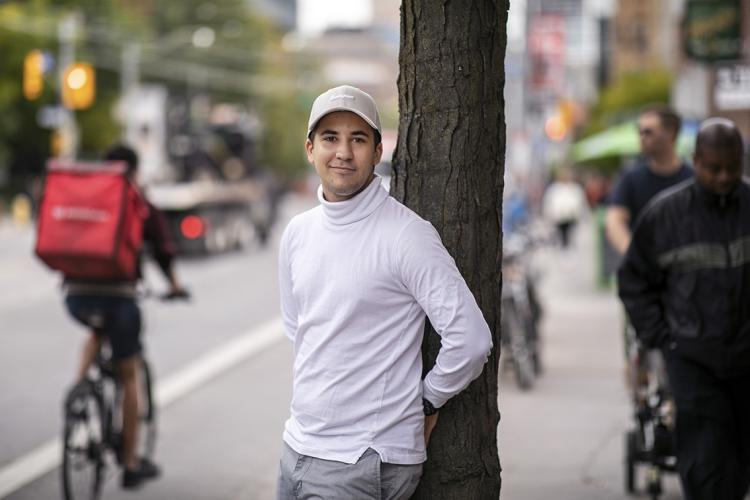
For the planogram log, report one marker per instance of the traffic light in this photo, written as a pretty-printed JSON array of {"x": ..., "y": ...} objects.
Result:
[
  {"x": 79, "y": 86},
  {"x": 555, "y": 128},
  {"x": 561, "y": 122},
  {"x": 33, "y": 75}
]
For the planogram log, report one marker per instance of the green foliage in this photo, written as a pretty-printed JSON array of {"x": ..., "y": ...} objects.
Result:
[
  {"x": 250, "y": 46},
  {"x": 624, "y": 98},
  {"x": 282, "y": 144},
  {"x": 23, "y": 144},
  {"x": 284, "y": 114},
  {"x": 25, "y": 26},
  {"x": 244, "y": 65},
  {"x": 622, "y": 101}
]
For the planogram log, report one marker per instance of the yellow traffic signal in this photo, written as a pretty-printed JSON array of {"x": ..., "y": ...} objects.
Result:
[
  {"x": 555, "y": 128},
  {"x": 33, "y": 75},
  {"x": 562, "y": 121},
  {"x": 79, "y": 86}
]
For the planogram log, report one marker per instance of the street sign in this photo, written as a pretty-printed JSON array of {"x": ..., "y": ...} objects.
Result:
[
  {"x": 732, "y": 88},
  {"x": 51, "y": 117},
  {"x": 547, "y": 52},
  {"x": 712, "y": 29}
]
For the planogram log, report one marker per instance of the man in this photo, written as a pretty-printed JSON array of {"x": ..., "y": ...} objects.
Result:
[
  {"x": 357, "y": 275},
  {"x": 110, "y": 310},
  {"x": 685, "y": 283},
  {"x": 658, "y": 128}
]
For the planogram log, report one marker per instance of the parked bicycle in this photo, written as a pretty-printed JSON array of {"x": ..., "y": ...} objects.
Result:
[{"x": 521, "y": 311}]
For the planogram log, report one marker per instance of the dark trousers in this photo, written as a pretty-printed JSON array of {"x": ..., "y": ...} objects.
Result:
[
  {"x": 564, "y": 228},
  {"x": 712, "y": 431}
]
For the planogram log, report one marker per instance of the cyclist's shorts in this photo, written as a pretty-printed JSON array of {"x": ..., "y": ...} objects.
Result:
[{"x": 117, "y": 318}]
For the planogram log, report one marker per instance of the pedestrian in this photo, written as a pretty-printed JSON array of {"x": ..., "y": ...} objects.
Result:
[
  {"x": 659, "y": 168},
  {"x": 564, "y": 203},
  {"x": 685, "y": 282},
  {"x": 357, "y": 275}
]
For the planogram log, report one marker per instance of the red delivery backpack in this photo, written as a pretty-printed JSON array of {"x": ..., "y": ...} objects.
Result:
[{"x": 90, "y": 221}]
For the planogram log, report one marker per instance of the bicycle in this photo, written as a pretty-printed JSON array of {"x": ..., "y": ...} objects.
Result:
[
  {"x": 92, "y": 428},
  {"x": 521, "y": 311}
]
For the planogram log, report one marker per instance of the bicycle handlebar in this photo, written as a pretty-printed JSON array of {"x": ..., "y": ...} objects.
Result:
[{"x": 174, "y": 295}]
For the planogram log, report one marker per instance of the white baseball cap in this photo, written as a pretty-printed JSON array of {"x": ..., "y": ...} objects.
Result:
[{"x": 345, "y": 98}]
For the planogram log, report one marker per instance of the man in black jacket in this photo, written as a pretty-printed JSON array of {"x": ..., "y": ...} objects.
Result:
[{"x": 685, "y": 283}]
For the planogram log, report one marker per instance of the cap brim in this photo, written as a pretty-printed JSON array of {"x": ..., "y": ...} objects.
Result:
[{"x": 313, "y": 124}]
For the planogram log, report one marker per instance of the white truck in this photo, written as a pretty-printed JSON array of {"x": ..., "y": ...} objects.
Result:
[{"x": 205, "y": 182}]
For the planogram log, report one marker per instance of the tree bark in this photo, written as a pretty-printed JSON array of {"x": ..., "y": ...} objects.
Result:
[{"x": 448, "y": 167}]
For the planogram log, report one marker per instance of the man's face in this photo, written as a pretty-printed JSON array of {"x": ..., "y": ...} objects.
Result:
[
  {"x": 344, "y": 154},
  {"x": 655, "y": 139},
  {"x": 718, "y": 170}
]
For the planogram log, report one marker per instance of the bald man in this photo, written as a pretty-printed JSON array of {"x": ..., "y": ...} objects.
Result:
[{"x": 685, "y": 282}]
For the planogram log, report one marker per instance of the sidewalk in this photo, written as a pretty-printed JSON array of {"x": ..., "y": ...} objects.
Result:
[{"x": 564, "y": 438}]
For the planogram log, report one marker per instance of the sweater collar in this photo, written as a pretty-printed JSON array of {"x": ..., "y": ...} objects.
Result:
[{"x": 355, "y": 208}]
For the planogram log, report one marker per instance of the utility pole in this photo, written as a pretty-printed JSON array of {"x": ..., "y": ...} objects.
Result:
[
  {"x": 67, "y": 136},
  {"x": 130, "y": 74}
]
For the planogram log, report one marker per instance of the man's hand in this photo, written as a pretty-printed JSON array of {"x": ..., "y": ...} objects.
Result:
[
  {"x": 176, "y": 294},
  {"x": 617, "y": 225},
  {"x": 429, "y": 424}
]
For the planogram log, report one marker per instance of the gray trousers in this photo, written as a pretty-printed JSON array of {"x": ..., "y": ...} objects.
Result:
[{"x": 304, "y": 477}]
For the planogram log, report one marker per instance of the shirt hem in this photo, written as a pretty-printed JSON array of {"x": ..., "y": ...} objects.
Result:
[{"x": 386, "y": 456}]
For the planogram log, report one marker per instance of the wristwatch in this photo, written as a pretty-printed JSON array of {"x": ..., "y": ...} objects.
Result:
[{"x": 429, "y": 409}]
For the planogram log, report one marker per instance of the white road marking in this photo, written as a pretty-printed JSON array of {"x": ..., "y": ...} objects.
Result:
[
  {"x": 47, "y": 456},
  {"x": 218, "y": 361},
  {"x": 33, "y": 464}
]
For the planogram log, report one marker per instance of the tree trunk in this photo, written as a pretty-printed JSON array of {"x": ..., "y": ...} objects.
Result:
[{"x": 448, "y": 167}]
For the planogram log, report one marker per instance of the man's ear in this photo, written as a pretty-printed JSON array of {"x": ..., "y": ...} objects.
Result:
[
  {"x": 378, "y": 154},
  {"x": 309, "y": 150}
]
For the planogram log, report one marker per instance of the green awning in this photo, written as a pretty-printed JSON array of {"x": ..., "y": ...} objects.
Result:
[{"x": 622, "y": 140}]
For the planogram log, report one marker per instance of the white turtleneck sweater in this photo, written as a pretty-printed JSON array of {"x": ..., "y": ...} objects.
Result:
[{"x": 356, "y": 279}]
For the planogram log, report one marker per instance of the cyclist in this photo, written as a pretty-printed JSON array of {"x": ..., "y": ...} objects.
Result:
[{"x": 109, "y": 308}]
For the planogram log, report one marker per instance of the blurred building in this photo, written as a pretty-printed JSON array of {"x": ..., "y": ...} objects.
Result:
[
  {"x": 704, "y": 44},
  {"x": 282, "y": 12},
  {"x": 552, "y": 68},
  {"x": 645, "y": 35},
  {"x": 572, "y": 35},
  {"x": 358, "y": 46},
  {"x": 713, "y": 62}
]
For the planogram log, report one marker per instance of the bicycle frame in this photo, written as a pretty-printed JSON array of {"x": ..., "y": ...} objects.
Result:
[{"x": 93, "y": 407}]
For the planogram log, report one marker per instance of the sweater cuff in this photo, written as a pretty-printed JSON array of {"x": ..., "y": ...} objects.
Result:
[{"x": 432, "y": 396}]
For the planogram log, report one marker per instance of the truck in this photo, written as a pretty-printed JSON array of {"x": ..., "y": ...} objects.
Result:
[{"x": 204, "y": 178}]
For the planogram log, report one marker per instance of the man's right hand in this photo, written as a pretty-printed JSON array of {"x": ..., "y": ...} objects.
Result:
[
  {"x": 617, "y": 225},
  {"x": 429, "y": 424}
]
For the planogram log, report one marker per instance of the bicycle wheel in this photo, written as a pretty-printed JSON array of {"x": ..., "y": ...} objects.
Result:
[
  {"x": 83, "y": 448},
  {"x": 523, "y": 362},
  {"x": 631, "y": 450},
  {"x": 146, "y": 411}
]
